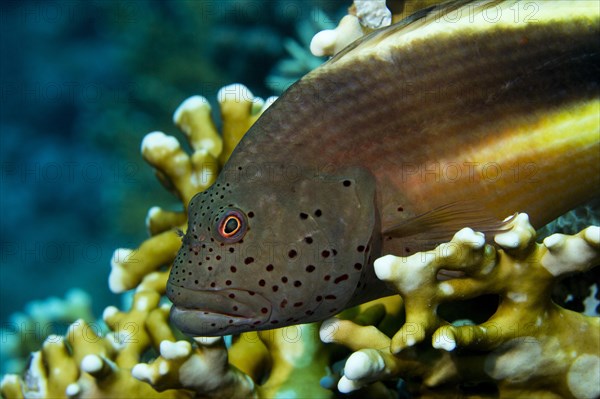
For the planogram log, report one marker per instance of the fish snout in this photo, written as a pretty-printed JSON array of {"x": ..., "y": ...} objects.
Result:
[{"x": 217, "y": 312}]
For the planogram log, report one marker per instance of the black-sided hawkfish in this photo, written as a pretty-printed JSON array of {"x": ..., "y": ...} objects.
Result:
[{"x": 460, "y": 115}]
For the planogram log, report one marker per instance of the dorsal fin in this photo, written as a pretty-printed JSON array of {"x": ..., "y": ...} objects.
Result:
[{"x": 414, "y": 21}]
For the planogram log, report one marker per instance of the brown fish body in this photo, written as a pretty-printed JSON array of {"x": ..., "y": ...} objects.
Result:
[{"x": 413, "y": 119}]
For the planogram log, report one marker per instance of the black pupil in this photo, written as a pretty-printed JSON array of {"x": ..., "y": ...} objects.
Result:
[{"x": 231, "y": 226}]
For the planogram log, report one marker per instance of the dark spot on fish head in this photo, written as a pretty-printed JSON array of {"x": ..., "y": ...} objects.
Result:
[
  {"x": 207, "y": 281},
  {"x": 266, "y": 240}
]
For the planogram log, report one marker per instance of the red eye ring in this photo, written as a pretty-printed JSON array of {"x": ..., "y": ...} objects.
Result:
[{"x": 231, "y": 226}]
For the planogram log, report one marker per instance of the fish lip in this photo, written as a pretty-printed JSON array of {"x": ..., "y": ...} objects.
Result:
[
  {"x": 210, "y": 312},
  {"x": 200, "y": 323}
]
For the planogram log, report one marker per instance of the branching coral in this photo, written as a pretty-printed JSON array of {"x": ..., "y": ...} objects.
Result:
[
  {"x": 84, "y": 364},
  {"x": 363, "y": 17},
  {"x": 288, "y": 362},
  {"x": 26, "y": 330},
  {"x": 204, "y": 369},
  {"x": 529, "y": 347}
]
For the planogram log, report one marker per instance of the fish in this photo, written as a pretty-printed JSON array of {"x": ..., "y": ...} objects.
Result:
[{"x": 459, "y": 115}]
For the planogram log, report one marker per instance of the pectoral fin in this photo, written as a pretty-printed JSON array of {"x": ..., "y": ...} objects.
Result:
[{"x": 444, "y": 221}]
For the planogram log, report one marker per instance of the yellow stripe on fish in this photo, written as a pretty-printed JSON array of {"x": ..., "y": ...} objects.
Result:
[{"x": 469, "y": 17}]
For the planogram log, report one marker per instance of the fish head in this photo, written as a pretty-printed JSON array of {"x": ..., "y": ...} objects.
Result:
[{"x": 268, "y": 252}]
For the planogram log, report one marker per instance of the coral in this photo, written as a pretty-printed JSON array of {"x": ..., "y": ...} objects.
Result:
[
  {"x": 85, "y": 364},
  {"x": 205, "y": 370},
  {"x": 373, "y": 14},
  {"x": 26, "y": 330},
  {"x": 331, "y": 41},
  {"x": 363, "y": 17},
  {"x": 289, "y": 360},
  {"x": 529, "y": 347}
]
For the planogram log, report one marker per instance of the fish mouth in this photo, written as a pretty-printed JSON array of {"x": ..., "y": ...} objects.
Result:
[{"x": 216, "y": 312}]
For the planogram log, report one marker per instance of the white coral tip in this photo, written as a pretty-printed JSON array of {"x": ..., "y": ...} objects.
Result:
[
  {"x": 328, "y": 329},
  {"x": 268, "y": 102},
  {"x": 53, "y": 339},
  {"x": 360, "y": 365},
  {"x": 474, "y": 238},
  {"x": 448, "y": 346},
  {"x": 9, "y": 379},
  {"x": 115, "y": 280},
  {"x": 346, "y": 385},
  {"x": 383, "y": 267},
  {"x": 91, "y": 364},
  {"x": 117, "y": 272},
  {"x": 357, "y": 366},
  {"x": 521, "y": 233},
  {"x": 109, "y": 312},
  {"x": 522, "y": 219},
  {"x": 120, "y": 256},
  {"x": 190, "y": 104},
  {"x": 323, "y": 43},
  {"x": 592, "y": 235},
  {"x": 143, "y": 372},
  {"x": 72, "y": 390},
  {"x": 510, "y": 239},
  {"x": 236, "y": 92},
  {"x": 158, "y": 140},
  {"x": 175, "y": 350},
  {"x": 165, "y": 306},
  {"x": 554, "y": 241},
  {"x": 152, "y": 213},
  {"x": 445, "y": 342}
]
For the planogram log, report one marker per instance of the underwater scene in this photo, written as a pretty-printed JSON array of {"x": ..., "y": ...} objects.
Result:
[{"x": 300, "y": 199}]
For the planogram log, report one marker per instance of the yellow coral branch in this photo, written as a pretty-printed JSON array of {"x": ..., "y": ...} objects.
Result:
[{"x": 526, "y": 348}]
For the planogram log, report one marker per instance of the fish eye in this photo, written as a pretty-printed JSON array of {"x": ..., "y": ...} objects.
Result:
[{"x": 231, "y": 226}]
